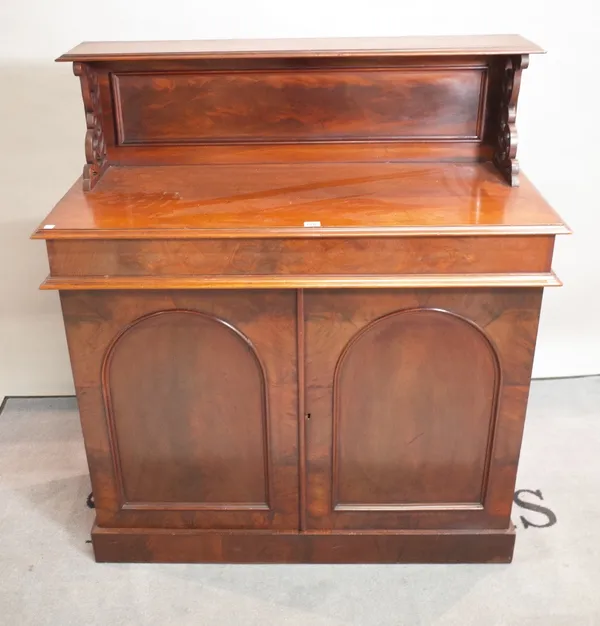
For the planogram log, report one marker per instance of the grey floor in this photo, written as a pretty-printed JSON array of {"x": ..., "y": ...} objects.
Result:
[{"x": 48, "y": 576}]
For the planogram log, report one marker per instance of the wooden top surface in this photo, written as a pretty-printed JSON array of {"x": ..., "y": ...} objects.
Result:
[
  {"x": 348, "y": 199},
  {"x": 267, "y": 48}
]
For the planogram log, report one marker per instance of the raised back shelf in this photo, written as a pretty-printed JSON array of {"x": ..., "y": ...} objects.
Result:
[{"x": 291, "y": 101}]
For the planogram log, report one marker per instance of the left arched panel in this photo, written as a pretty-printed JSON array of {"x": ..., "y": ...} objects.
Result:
[{"x": 186, "y": 405}]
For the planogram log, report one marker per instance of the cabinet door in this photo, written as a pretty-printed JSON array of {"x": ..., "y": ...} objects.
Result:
[
  {"x": 188, "y": 403},
  {"x": 415, "y": 402}
]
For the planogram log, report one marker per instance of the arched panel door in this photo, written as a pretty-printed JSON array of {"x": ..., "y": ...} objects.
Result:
[
  {"x": 405, "y": 429},
  {"x": 187, "y": 409}
]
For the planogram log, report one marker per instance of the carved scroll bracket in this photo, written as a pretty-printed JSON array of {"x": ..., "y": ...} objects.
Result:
[
  {"x": 507, "y": 138},
  {"x": 95, "y": 144}
]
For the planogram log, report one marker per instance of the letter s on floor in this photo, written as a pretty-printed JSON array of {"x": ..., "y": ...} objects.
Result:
[{"x": 532, "y": 506}]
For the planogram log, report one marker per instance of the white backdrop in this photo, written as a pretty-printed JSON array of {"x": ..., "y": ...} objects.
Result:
[{"x": 42, "y": 129}]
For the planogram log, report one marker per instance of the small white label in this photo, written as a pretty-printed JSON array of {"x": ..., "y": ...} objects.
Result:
[
  {"x": 48, "y": 226},
  {"x": 312, "y": 224}
]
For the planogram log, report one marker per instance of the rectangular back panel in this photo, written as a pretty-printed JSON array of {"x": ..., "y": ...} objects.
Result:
[
  {"x": 338, "y": 109},
  {"x": 435, "y": 103}
]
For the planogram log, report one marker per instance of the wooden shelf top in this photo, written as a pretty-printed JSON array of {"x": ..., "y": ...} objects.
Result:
[
  {"x": 301, "y": 200},
  {"x": 269, "y": 48}
]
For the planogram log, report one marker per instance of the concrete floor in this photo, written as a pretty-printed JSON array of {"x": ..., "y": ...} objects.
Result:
[{"x": 48, "y": 576}]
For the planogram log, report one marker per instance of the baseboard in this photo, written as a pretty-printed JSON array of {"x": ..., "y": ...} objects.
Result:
[{"x": 5, "y": 399}]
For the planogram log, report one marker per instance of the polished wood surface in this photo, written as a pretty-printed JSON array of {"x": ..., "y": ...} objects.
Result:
[
  {"x": 353, "y": 200},
  {"x": 311, "y": 48},
  {"x": 301, "y": 284}
]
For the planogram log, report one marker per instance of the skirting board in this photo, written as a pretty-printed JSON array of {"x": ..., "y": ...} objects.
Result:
[{"x": 147, "y": 545}]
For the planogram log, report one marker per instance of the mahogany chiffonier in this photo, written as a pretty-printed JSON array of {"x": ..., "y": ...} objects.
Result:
[{"x": 301, "y": 283}]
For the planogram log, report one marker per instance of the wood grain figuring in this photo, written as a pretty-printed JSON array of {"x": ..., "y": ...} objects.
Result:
[
  {"x": 310, "y": 48},
  {"x": 413, "y": 408},
  {"x": 349, "y": 200},
  {"x": 413, "y": 426},
  {"x": 172, "y": 427},
  {"x": 300, "y": 106},
  {"x": 426, "y": 255},
  {"x": 192, "y": 546}
]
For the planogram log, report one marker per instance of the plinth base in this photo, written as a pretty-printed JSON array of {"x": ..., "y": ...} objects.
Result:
[{"x": 147, "y": 545}]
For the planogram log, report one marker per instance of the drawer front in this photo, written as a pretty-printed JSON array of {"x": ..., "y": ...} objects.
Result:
[{"x": 293, "y": 257}]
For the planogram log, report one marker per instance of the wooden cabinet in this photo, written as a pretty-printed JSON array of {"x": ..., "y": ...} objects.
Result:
[{"x": 301, "y": 284}]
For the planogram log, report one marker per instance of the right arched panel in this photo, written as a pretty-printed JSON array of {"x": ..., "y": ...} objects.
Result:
[{"x": 414, "y": 408}]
